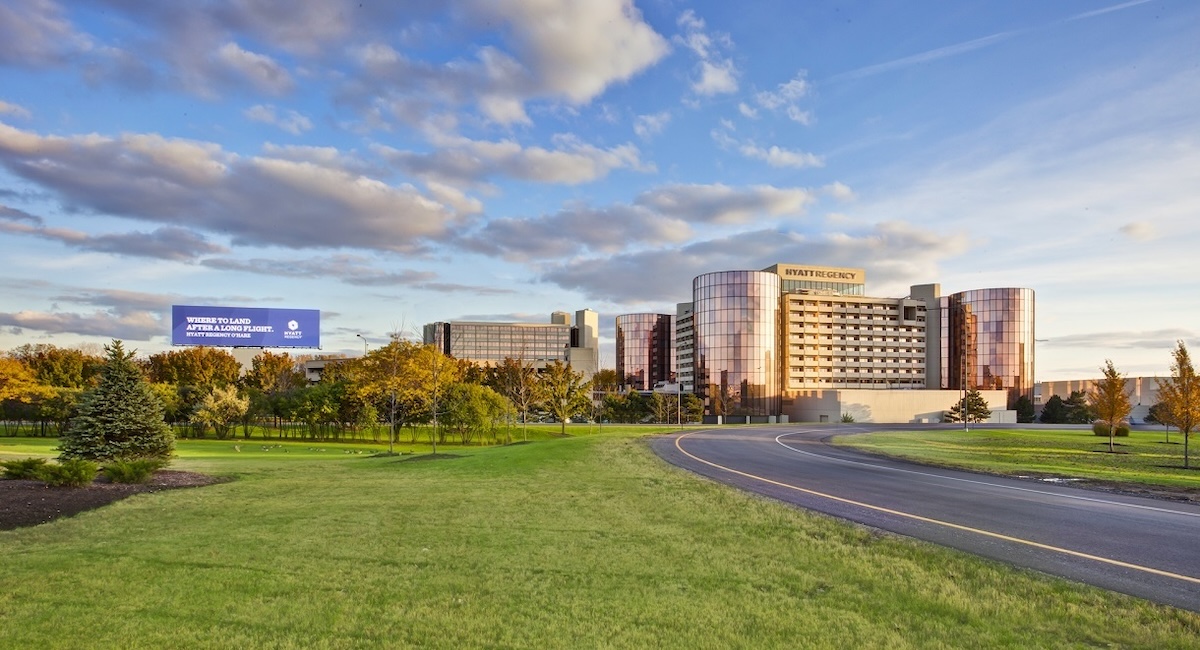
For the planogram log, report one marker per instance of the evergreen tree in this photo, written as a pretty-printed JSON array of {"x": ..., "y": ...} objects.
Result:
[
  {"x": 1078, "y": 409},
  {"x": 1024, "y": 409},
  {"x": 1054, "y": 412},
  {"x": 976, "y": 409},
  {"x": 121, "y": 418}
]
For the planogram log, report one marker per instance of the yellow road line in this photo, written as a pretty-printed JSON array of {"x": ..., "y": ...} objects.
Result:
[{"x": 947, "y": 524}]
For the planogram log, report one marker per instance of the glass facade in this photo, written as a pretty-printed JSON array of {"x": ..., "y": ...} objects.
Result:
[
  {"x": 645, "y": 350},
  {"x": 491, "y": 343},
  {"x": 987, "y": 341},
  {"x": 737, "y": 332}
]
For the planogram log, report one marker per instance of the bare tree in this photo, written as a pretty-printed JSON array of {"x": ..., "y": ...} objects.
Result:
[{"x": 1109, "y": 400}]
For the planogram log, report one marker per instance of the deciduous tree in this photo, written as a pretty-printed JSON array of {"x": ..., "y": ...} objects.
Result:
[
  {"x": 1109, "y": 400},
  {"x": 1180, "y": 395},
  {"x": 517, "y": 381},
  {"x": 564, "y": 393},
  {"x": 221, "y": 409}
]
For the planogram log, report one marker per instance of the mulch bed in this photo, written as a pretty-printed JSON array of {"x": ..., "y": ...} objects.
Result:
[{"x": 29, "y": 503}]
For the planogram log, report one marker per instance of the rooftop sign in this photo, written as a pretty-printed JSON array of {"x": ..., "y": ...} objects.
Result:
[{"x": 819, "y": 273}]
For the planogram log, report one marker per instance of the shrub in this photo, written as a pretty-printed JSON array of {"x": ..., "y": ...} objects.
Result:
[
  {"x": 133, "y": 471},
  {"x": 73, "y": 472},
  {"x": 846, "y": 417},
  {"x": 24, "y": 468},
  {"x": 1100, "y": 428}
]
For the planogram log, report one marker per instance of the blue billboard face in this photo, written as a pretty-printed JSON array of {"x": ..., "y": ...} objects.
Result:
[{"x": 245, "y": 327}]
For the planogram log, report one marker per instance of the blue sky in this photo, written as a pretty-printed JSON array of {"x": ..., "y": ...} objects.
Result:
[{"x": 394, "y": 164}]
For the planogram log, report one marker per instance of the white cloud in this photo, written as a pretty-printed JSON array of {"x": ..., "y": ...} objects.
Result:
[
  {"x": 747, "y": 111},
  {"x": 839, "y": 191},
  {"x": 715, "y": 74},
  {"x": 722, "y": 204},
  {"x": 785, "y": 97},
  {"x": 646, "y": 126},
  {"x": 197, "y": 185},
  {"x": 900, "y": 252},
  {"x": 774, "y": 156},
  {"x": 574, "y": 230},
  {"x": 563, "y": 48},
  {"x": 138, "y": 326},
  {"x": 14, "y": 110},
  {"x": 796, "y": 115},
  {"x": 1139, "y": 230},
  {"x": 779, "y": 157},
  {"x": 716, "y": 78},
  {"x": 259, "y": 70},
  {"x": 464, "y": 162},
  {"x": 786, "y": 94},
  {"x": 35, "y": 32},
  {"x": 289, "y": 121}
]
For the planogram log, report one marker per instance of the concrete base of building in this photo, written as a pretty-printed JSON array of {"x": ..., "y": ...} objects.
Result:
[{"x": 885, "y": 406}]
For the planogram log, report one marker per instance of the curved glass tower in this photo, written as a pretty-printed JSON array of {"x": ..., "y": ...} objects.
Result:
[
  {"x": 645, "y": 354},
  {"x": 737, "y": 326},
  {"x": 987, "y": 341}
]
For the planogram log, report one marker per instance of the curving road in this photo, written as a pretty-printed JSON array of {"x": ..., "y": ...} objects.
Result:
[{"x": 1144, "y": 547}]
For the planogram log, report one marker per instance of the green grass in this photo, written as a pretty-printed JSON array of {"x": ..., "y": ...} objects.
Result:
[
  {"x": 589, "y": 541},
  {"x": 1142, "y": 459}
]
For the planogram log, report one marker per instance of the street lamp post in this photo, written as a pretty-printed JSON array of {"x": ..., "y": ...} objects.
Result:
[{"x": 364, "y": 340}]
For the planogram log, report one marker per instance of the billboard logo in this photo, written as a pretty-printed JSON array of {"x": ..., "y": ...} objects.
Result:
[{"x": 293, "y": 325}]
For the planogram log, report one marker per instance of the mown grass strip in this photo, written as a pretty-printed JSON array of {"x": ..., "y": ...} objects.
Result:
[
  {"x": 579, "y": 542},
  {"x": 1144, "y": 458}
]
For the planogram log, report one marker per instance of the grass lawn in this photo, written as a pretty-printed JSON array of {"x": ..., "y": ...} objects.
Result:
[
  {"x": 588, "y": 541},
  {"x": 1142, "y": 459}
]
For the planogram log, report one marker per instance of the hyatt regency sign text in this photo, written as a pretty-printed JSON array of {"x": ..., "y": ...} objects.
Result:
[{"x": 245, "y": 327}]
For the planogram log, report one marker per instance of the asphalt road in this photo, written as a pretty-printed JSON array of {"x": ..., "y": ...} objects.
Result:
[{"x": 1144, "y": 547}]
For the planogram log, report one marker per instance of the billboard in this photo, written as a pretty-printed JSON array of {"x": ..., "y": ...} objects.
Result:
[{"x": 245, "y": 327}]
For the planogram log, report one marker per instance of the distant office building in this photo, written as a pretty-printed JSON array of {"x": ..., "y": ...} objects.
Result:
[
  {"x": 1143, "y": 393},
  {"x": 801, "y": 341},
  {"x": 537, "y": 344},
  {"x": 645, "y": 350}
]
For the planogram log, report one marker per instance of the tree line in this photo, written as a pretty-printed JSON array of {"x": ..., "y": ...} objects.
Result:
[{"x": 401, "y": 388}]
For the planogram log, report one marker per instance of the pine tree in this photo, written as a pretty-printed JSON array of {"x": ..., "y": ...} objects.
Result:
[
  {"x": 121, "y": 418},
  {"x": 977, "y": 409}
]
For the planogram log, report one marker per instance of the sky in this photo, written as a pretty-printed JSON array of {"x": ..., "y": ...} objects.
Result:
[{"x": 398, "y": 163}]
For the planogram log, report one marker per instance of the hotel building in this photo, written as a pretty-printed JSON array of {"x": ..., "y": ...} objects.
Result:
[{"x": 806, "y": 342}]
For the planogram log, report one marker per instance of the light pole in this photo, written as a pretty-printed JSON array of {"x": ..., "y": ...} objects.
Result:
[
  {"x": 679, "y": 400},
  {"x": 364, "y": 340}
]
